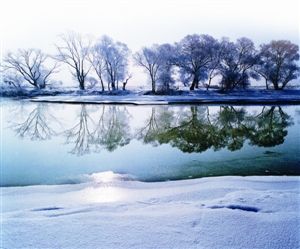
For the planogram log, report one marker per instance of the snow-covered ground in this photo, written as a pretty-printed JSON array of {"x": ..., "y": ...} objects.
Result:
[
  {"x": 112, "y": 211},
  {"x": 199, "y": 97}
]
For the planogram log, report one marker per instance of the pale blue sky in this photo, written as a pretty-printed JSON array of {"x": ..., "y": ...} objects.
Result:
[{"x": 36, "y": 23}]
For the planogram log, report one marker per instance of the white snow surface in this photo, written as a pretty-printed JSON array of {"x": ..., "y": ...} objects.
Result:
[
  {"x": 205, "y": 97},
  {"x": 112, "y": 211}
]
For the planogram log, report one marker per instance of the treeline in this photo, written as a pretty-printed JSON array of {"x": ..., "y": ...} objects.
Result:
[{"x": 197, "y": 60}]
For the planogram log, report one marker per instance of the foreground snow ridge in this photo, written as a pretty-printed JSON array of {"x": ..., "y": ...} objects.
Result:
[{"x": 112, "y": 211}]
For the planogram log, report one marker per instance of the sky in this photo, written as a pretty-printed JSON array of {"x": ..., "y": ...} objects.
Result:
[{"x": 37, "y": 23}]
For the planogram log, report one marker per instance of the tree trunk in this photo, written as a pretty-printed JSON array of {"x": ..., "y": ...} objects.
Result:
[
  {"x": 80, "y": 79},
  {"x": 194, "y": 83},
  {"x": 102, "y": 84},
  {"x": 267, "y": 87},
  {"x": 276, "y": 87},
  {"x": 153, "y": 86},
  {"x": 35, "y": 84},
  {"x": 209, "y": 82},
  {"x": 194, "y": 112},
  {"x": 113, "y": 86},
  {"x": 81, "y": 85},
  {"x": 125, "y": 82},
  {"x": 43, "y": 86}
]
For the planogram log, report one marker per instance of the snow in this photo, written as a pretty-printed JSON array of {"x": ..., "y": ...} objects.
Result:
[
  {"x": 112, "y": 211},
  {"x": 185, "y": 97}
]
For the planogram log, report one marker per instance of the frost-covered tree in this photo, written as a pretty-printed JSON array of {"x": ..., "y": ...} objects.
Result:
[
  {"x": 165, "y": 71},
  {"x": 12, "y": 80},
  {"x": 112, "y": 58},
  {"x": 149, "y": 59},
  {"x": 278, "y": 63},
  {"x": 194, "y": 53},
  {"x": 236, "y": 64},
  {"x": 97, "y": 61},
  {"x": 30, "y": 65},
  {"x": 74, "y": 52},
  {"x": 157, "y": 62},
  {"x": 214, "y": 64}
]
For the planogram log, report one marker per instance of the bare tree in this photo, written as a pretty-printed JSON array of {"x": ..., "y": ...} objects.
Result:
[
  {"x": 30, "y": 64},
  {"x": 149, "y": 59},
  {"x": 194, "y": 53},
  {"x": 263, "y": 68},
  {"x": 237, "y": 63},
  {"x": 115, "y": 57},
  {"x": 74, "y": 52},
  {"x": 157, "y": 62},
  {"x": 98, "y": 65},
  {"x": 13, "y": 80},
  {"x": 214, "y": 64},
  {"x": 278, "y": 63},
  {"x": 126, "y": 81}
]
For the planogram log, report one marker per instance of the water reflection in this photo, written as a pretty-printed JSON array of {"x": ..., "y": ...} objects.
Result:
[
  {"x": 268, "y": 128},
  {"x": 61, "y": 143},
  {"x": 107, "y": 131},
  {"x": 37, "y": 125},
  {"x": 112, "y": 129},
  {"x": 197, "y": 130},
  {"x": 190, "y": 128}
]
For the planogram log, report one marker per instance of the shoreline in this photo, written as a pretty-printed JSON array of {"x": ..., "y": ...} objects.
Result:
[
  {"x": 174, "y": 102},
  {"x": 289, "y": 97},
  {"x": 199, "y": 97}
]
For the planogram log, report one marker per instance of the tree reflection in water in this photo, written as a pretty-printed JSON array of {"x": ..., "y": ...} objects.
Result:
[
  {"x": 229, "y": 128},
  {"x": 80, "y": 133},
  {"x": 189, "y": 128},
  {"x": 269, "y": 127},
  {"x": 159, "y": 120},
  {"x": 110, "y": 131},
  {"x": 38, "y": 124}
]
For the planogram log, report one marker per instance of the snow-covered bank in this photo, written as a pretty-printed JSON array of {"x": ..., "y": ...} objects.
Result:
[
  {"x": 112, "y": 212},
  {"x": 197, "y": 97}
]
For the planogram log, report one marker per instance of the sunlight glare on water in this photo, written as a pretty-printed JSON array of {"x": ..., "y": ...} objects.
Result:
[{"x": 104, "y": 188}]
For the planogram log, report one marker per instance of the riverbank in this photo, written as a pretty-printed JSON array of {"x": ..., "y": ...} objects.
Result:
[
  {"x": 250, "y": 96},
  {"x": 196, "y": 97},
  {"x": 111, "y": 211}
]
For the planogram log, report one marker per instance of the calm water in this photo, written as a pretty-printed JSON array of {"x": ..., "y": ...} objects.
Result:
[{"x": 59, "y": 143}]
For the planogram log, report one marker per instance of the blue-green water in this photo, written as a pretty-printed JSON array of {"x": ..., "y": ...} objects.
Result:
[{"x": 60, "y": 143}]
